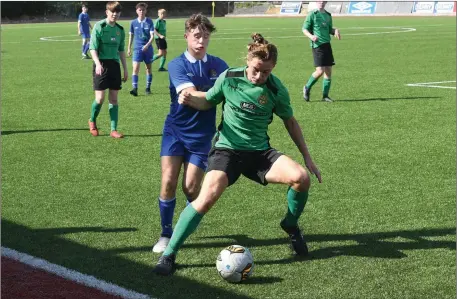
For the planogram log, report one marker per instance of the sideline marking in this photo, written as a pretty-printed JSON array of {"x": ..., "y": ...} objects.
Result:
[
  {"x": 431, "y": 84},
  {"x": 399, "y": 30},
  {"x": 72, "y": 275}
]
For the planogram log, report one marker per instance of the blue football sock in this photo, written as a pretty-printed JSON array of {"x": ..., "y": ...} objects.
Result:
[
  {"x": 167, "y": 210},
  {"x": 148, "y": 81},
  {"x": 135, "y": 81},
  {"x": 86, "y": 48}
]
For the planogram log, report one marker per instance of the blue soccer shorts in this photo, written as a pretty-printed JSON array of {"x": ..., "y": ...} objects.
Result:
[
  {"x": 143, "y": 56},
  {"x": 195, "y": 152}
]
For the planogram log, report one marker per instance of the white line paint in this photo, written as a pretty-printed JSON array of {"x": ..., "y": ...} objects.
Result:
[
  {"x": 72, "y": 275},
  {"x": 400, "y": 30},
  {"x": 430, "y": 84},
  {"x": 53, "y": 25}
]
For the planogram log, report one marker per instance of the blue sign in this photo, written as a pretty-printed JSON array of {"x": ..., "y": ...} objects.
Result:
[{"x": 362, "y": 7}]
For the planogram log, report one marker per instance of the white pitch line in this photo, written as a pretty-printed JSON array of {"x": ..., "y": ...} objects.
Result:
[
  {"x": 430, "y": 84},
  {"x": 400, "y": 30},
  {"x": 72, "y": 275},
  {"x": 438, "y": 82}
]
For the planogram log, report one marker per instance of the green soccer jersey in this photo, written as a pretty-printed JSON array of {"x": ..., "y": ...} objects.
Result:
[
  {"x": 161, "y": 27},
  {"x": 247, "y": 109},
  {"x": 319, "y": 24},
  {"x": 107, "y": 40}
]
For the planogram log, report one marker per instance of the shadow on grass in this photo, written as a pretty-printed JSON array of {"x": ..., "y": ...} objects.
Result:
[
  {"x": 51, "y": 245},
  {"x": 40, "y": 130},
  {"x": 58, "y": 130},
  {"x": 386, "y": 99},
  {"x": 376, "y": 245}
]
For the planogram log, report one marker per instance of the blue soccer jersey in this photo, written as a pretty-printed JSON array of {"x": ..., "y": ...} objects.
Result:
[
  {"x": 142, "y": 32},
  {"x": 84, "y": 20},
  {"x": 185, "y": 71}
]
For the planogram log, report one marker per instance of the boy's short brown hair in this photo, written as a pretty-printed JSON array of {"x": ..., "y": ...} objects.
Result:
[
  {"x": 141, "y": 5},
  {"x": 114, "y": 6},
  {"x": 199, "y": 21}
]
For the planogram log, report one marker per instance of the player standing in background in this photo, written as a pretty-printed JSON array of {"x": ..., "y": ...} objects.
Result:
[
  {"x": 187, "y": 132},
  {"x": 107, "y": 47},
  {"x": 318, "y": 27},
  {"x": 142, "y": 34},
  {"x": 84, "y": 28},
  {"x": 250, "y": 96},
  {"x": 161, "y": 42}
]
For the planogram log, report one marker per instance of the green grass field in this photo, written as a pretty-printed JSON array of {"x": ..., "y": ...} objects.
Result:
[{"x": 381, "y": 225}]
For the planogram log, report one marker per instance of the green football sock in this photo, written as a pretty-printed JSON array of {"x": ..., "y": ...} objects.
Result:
[
  {"x": 187, "y": 224},
  {"x": 162, "y": 61},
  {"x": 95, "y": 110},
  {"x": 296, "y": 202},
  {"x": 326, "y": 87},
  {"x": 311, "y": 82},
  {"x": 114, "y": 116},
  {"x": 155, "y": 57}
]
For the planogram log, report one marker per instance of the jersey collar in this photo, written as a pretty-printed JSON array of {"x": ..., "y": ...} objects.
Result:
[{"x": 192, "y": 58}]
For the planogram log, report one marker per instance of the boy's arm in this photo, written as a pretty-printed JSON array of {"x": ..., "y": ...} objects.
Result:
[
  {"x": 308, "y": 27},
  {"x": 151, "y": 32},
  {"x": 131, "y": 37},
  {"x": 129, "y": 47},
  {"x": 195, "y": 99}
]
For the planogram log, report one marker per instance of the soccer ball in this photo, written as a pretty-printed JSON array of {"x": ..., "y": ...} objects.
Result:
[{"x": 235, "y": 263}]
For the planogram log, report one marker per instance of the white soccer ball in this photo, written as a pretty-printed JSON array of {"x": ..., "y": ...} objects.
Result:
[{"x": 235, "y": 263}]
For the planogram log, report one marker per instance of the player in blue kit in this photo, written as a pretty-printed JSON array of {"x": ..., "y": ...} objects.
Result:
[
  {"x": 187, "y": 132},
  {"x": 84, "y": 28},
  {"x": 142, "y": 35}
]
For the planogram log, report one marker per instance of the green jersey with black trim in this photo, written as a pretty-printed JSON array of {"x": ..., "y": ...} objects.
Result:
[
  {"x": 319, "y": 24},
  {"x": 247, "y": 109},
  {"x": 161, "y": 26},
  {"x": 107, "y": 40}
]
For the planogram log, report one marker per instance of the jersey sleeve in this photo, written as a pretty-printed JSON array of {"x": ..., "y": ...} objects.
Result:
[
  {"x": 131, "y": 28},
  {"x": 215, "y": 94},
  {"x": 122, "y": 42},
  {"x": 151, "y": 27},
  {"x": 308, "y": 24},
  {"x": 330, "y": 27},
  {"x": 95, "y": 38},
  {"x": 179, "y": 77},
  {"x": 80, "y": 19},
  {"x": 283, "y": 109},
  {"x": 221, "y": 66}
]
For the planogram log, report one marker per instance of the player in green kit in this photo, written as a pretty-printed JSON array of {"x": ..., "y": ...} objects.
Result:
[
  {"x": 250, "y": 96},
  {"x": 160, "y": 27},
  {"x": 318, "y": 27},
  {"x": 107, "y": 45}
]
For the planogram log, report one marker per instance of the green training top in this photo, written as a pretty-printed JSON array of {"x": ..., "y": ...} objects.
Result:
[
  {"x": 247, "y": 109},
  {"x": 161, "y": 27},
  {"x": 107, "y": 40},
  {"x": 319, "y": 24}
]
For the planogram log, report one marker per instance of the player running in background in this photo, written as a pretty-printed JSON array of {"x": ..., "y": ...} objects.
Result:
[
  {"x": 84, "y": 28},
  {"x": 187, "y": 132},
  {"x": 107, "y": 47},
  {"x": 161, "y": 42},
  {"x": 318, "y": 27},
  {"x": 142, "y": 35},
  {"x": 250, "y": 95}
]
